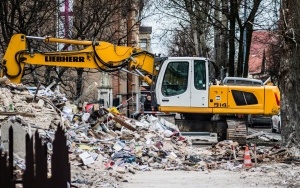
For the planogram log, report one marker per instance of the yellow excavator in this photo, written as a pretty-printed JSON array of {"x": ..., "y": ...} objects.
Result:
[{"x": 185, "y": 85}]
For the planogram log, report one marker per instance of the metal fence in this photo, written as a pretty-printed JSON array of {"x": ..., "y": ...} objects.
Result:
[{"x": 35, "y": 174}]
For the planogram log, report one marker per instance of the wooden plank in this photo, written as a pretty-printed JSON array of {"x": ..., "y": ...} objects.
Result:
[
  {"x": 255, "y": 135},
  {"x": 17, "y": 113},
  {"x": 125, "y": 124}
]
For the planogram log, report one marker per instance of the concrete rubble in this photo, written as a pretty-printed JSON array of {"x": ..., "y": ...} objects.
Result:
[{"x": 105, "y": 146}]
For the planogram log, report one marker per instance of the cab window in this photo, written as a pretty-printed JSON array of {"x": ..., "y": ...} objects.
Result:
[
  {"x": 199, "y": 75},
  {"x": 175, "y": 80}
]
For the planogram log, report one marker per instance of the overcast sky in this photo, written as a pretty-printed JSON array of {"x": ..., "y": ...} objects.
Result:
[{"x": 157, "y": 46}]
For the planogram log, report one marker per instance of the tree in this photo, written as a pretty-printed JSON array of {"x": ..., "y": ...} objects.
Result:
[
  {"x": 241, "y": 16},
  {"x": 28, "y": 17},
  {"x": 187, "y": 18},
  {"x": 103, "y": 20},
  {"x": 33, "y": 18},
  {"x": 289, "y": 74},
  {"x": 224, "y": 28},
  {"x": 221, "y": 33},
  {"x": 182, "y": 44},
  {"x": 233, "y": 11},
  {"x": 275, "y": 53}
]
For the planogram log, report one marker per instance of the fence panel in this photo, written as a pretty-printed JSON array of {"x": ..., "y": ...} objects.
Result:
[{"x": 35, "y": 174}]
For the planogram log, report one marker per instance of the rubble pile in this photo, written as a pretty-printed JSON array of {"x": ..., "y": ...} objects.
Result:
[{"x": 105, "y": 145}]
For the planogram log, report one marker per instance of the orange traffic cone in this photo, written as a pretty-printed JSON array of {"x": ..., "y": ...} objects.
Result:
[{"x": 247, "y": 158}]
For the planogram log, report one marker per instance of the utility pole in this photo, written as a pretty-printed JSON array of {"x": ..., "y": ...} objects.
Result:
[{"x": 64, "y": 23}]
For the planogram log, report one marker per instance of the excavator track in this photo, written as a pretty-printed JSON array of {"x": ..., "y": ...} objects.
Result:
[
  {"x": 236, "y": 131},
  {"x": 226, "y": 128}
]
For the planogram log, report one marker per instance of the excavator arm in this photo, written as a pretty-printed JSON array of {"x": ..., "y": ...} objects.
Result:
[{"x": 96, "y": 55}]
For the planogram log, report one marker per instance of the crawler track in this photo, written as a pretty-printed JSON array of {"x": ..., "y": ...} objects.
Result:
[{"x": 236, "y": 131}]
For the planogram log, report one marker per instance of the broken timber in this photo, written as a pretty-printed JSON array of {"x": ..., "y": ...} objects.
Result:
[
  {"x": 17, "y": 113},
  {"x": 123, "y": 123}
]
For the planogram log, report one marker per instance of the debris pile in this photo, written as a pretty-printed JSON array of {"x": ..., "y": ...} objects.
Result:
[
  {"x": 104, "y": 145},
  {"x": 261, "y": 135}
]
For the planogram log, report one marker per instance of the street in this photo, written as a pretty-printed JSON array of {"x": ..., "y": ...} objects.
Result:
[
  {"x": 263, "y": 176},
  {"x": 203, "y": 179}
]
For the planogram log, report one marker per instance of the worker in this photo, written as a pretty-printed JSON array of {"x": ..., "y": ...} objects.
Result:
[{"x": 148, "y": 104}]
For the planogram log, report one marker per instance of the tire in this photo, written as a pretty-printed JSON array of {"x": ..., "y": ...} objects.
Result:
[
  {"x": 279, "y": 128},
  {"x": 221, "y": 137},
  {"x": 250, "y": 124},
  {"x": 273, "y": 130},
  {"x": 247, "y": 121}
]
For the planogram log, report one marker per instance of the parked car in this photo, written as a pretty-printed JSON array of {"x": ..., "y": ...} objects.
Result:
[
  {"x": 260, "y": 120},
  {"x": 276, "y": 123},
  {"x": 242, "y": 81}
]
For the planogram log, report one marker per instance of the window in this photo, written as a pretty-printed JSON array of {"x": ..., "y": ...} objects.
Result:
[
  {"x": 175, "y": 80},
  {"x": 242, "y": 98},
  {"x": 199, "y": 75},
  {"x": 143, "y": 44}
]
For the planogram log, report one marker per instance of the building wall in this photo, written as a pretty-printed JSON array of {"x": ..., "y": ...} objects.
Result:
[
  {"x": 145, "y": 38},
  {"x": 259, "y": 57},
  {"x": 117, "y": 84},
  {"x": 124, "y": 84}
]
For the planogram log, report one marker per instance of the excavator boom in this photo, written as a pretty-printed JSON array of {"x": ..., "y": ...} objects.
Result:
[{"x": 96, "y": 55}]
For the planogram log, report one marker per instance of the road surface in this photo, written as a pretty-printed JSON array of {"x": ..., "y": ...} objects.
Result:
[
  {"x": 221, "y": 178},
  {"x": 203, "y": 179}
]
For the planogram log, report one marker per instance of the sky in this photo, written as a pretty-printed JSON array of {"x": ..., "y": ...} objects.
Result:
[
  {"x": 159, "y": 23},
  {"x": 157, "y": 45}
]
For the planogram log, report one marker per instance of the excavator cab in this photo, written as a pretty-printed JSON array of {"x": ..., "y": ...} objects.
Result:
[
  {"x": 189, "y": 86},
  {"x": 183, "y": 84}
]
